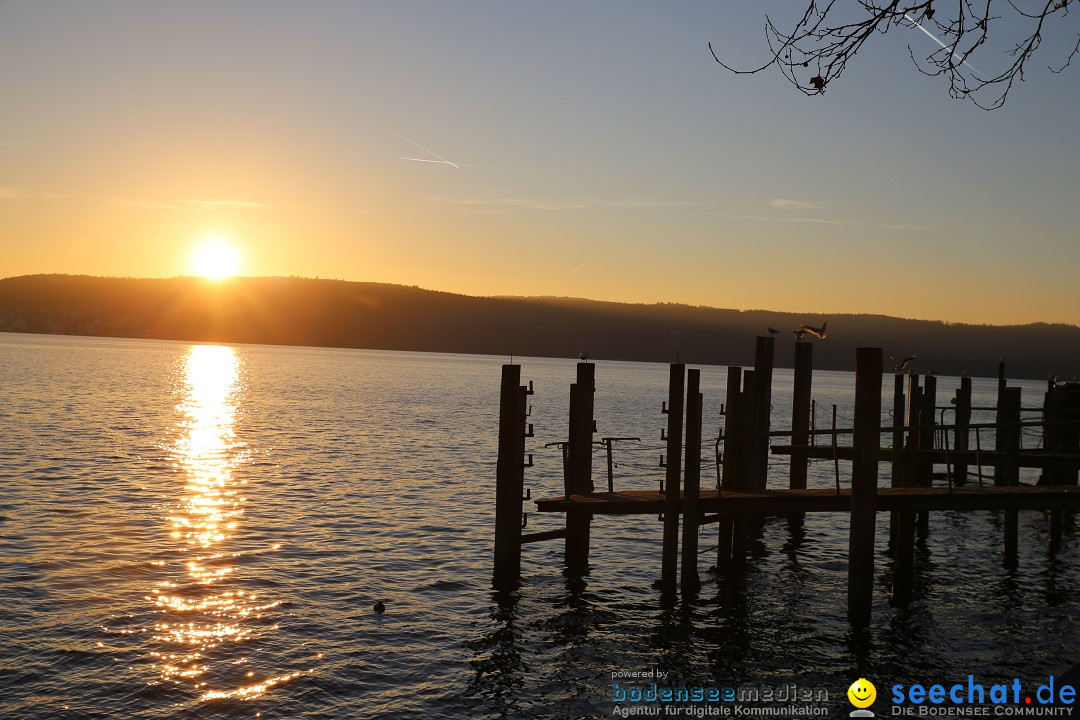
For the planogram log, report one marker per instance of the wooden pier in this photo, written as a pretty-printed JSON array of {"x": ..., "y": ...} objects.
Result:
[
  {"x": 784, "y": 502},
  {"x": 741, "y": 496}
]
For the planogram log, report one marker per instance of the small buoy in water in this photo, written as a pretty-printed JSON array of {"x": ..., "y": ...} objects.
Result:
[{"x": 378, "y": 606}]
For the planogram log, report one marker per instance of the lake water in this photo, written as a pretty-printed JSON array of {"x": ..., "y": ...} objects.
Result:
[{"x": 193, "y": 531}]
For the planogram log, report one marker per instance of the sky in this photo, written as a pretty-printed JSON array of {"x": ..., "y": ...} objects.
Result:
[{"x": 550, "y": 148}]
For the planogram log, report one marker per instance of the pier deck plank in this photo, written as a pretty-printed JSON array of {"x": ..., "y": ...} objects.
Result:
[
  {"x": 1025, "y": 458},
  {"x": 780, "y": 502}
]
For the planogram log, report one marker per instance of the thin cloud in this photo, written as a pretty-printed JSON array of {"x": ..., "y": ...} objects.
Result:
[
  {"x": 121, "y": 202},
  {"x": 784, "y": 204},
  {"x": 822, "y": 221},
  {"x": 179, "y": 204},
  {"x": 524, "y": 203},
  {"x": 215, "y": 204},
  {"x": 128, "y": 202}
]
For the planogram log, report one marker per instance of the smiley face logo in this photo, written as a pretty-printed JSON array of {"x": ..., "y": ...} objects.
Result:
[{"x": 862, "y": 693}]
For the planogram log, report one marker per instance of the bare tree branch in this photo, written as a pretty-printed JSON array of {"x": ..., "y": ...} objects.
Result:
[{"x": 817, "y": 49}]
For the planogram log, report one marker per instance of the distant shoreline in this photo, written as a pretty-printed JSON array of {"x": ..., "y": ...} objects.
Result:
[{"x": 377, "y": 316}]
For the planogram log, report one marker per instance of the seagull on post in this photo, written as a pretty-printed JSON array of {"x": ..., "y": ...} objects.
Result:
[
  {"x": 819, "y": 333},
  {"x": 903, "y": 365}
]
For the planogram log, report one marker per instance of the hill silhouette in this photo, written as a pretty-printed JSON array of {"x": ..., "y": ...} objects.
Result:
[{"x": 333, "y": 313}]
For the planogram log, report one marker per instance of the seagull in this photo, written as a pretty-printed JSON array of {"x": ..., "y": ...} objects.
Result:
[
  {"x": 379, "y": 607},
  {"x": 902, "y": 366},
  {"x": 583, "y": 357},
  {"x": 798, "y": 334},
  {"x": 773, "y": 331},
  {"x": 819, "y": 333}
]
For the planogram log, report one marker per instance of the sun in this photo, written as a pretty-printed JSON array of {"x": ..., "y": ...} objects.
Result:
[{"x": 215, "y": 259}]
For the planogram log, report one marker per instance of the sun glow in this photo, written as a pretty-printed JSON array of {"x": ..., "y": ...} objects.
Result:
[{"x": 215, "y": 258}]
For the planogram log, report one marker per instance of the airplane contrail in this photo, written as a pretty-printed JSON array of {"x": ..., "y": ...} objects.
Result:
[
  {"x": 955, "y": 54},
  {"x": 441, "y": 160},
  {"x": 936, "y": 39},
  {"x": 437, "y": 162},
  {"x": 581, "y": 266}
]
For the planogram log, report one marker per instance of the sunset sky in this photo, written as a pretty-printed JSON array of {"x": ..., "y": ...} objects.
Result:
[{"x": 598, "y": 151}]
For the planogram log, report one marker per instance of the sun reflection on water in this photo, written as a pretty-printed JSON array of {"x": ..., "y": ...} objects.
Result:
[{"x": 206, "y": 619}]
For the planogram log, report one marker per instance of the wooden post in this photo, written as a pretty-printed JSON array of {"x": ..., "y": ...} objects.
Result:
[
  {"x": 692, "y": 486},
  {"x": 963, "y": 420},
  {"x": 579, "y": 465},
  {"x": 928, "y": 423},
  {"x": 731, "y": 448},
  {"x": 898, "y": 428},
  {"x": 800, "y": 412},
  {"x": 509, "y": 478},
  {"x": 745, "y": 455},
  {"x": 743, "y": 479},
  {"x": 898, "y": 448},
  {"x": 1009, "y": 413},
  {"x": 864, "y": 477},
  {"x": 904, "y": 543},
  {"x": 1067, "y": 415},
  {"x": 672, "y": 501},
  {"x": 1049, "y": 430},
  {"x": 1052, "y": 442},
  {"x": 999, "y": 469},
  {"x": 1064, "y": 431},
  {"x": 914, "y": 410},
  {"x": 763, "y": 370}
]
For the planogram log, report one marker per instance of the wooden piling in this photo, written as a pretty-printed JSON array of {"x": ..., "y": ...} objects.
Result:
[
  {"x": 963, "y": 421},
  {"x": 691, "y": 513},
  {"x": 864, "y": 477},
  {"x": 999, "y": 470},
  {"x": 579, "y": 464},
  {"x": 743, "y": 477},
  {"x": 1062, "y": 430},
  {"x": 927, "y": 424},
  {"x": 731, "y": 445},
  {"x": 1067, "y": 417},
  {"x": 744, "y": 473},
  {"x": 672, "y": 499},
  {"x": 509, "y": 478},
  {"x": 763, "y": 371},
  {"x": 1052, "y": 442},
  {"x": 898, "y": 449},
  {"x": 800, "y": 412},
  {"x": 1009, "y": 444},
  {"x": 898, "y": 428},
  {"x": 914, "y": 413},
  {"x": 904, "y": 541},
  {"x": 1049, "y": 429}
]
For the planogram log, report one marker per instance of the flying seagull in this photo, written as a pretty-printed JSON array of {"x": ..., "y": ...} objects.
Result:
[
  {"x": 773, "y": 331},
  {"x": 902, "y": 366},
  {"x": 819, "y": 333}
]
